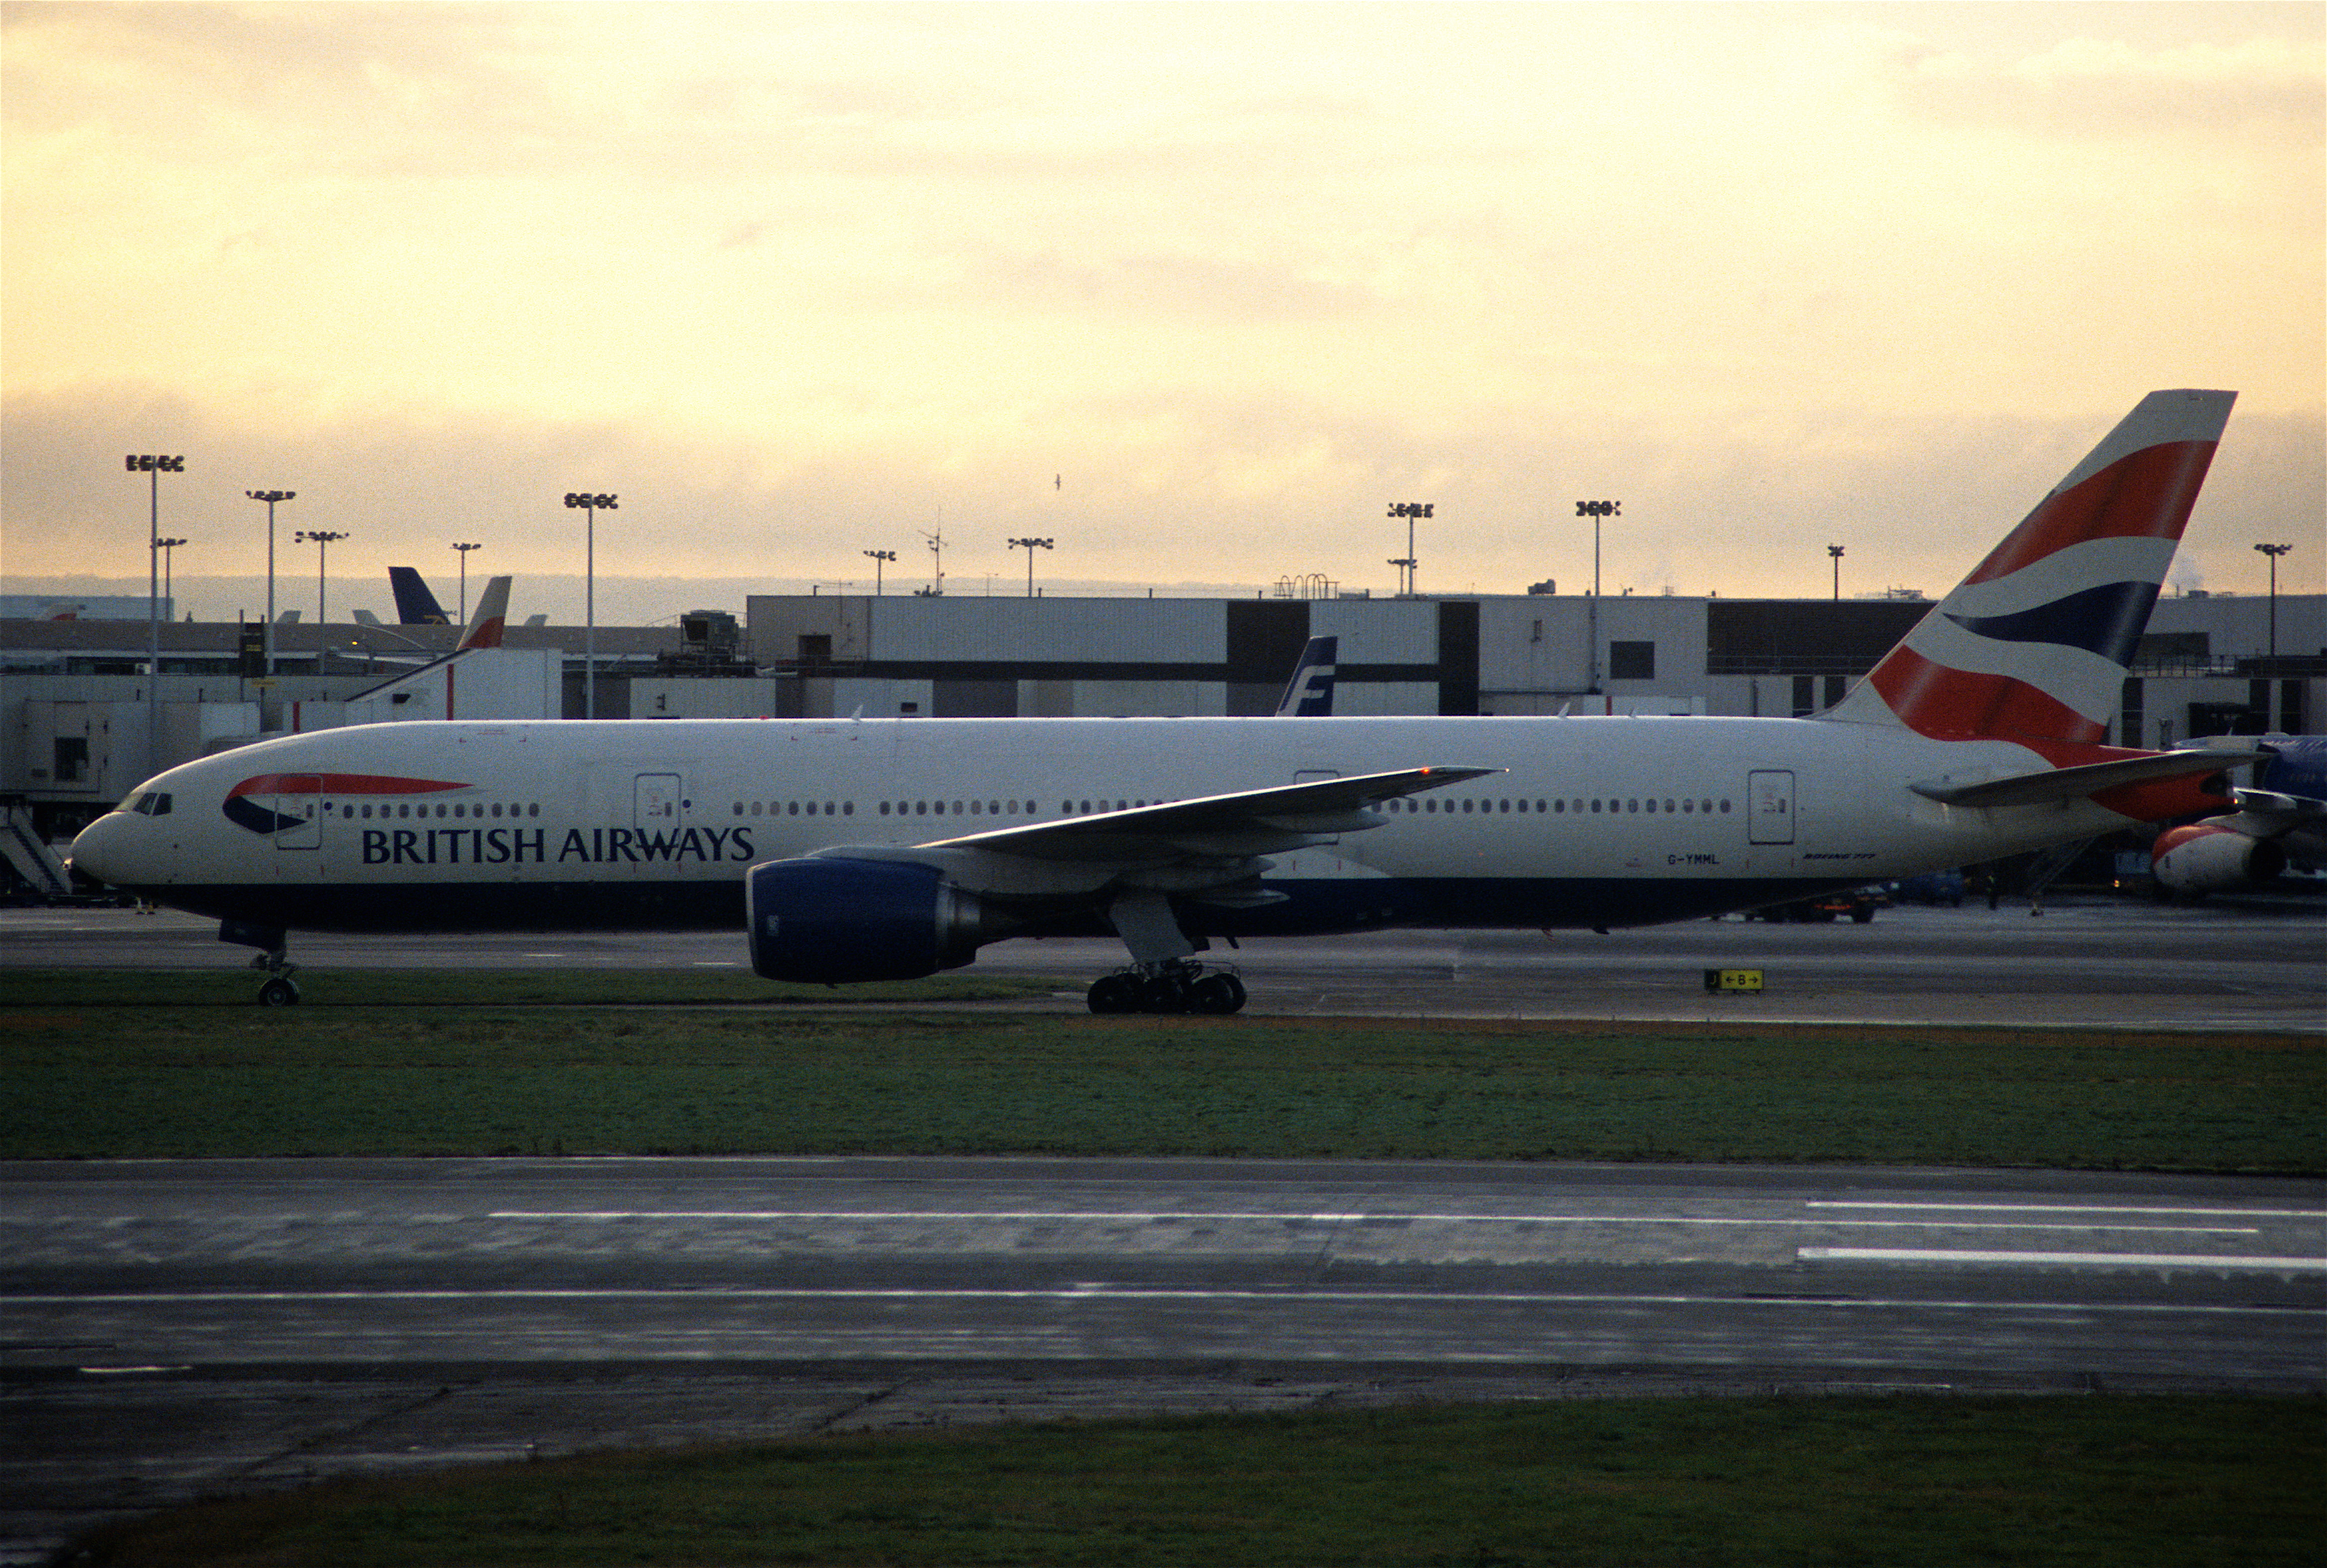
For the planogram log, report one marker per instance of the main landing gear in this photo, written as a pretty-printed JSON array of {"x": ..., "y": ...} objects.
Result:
[{"x": 1175, "y": 986}]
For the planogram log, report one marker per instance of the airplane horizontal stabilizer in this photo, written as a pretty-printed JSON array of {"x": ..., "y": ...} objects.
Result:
[{"x": 2057, "y": 784}]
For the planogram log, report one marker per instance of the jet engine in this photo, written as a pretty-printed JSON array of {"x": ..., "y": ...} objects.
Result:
[
  {"x": 2200, "y": 859},
  {"x": 826, "y": 920}
]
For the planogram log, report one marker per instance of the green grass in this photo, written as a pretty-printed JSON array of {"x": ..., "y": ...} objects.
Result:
[
  {"x": 2063, "y": 1482},
  {"x": 84, "y": 1080}
]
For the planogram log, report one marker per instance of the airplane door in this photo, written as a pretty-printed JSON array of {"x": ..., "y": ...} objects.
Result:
[
  {"x": 297, "y": 805},
  {"x": 1770, "y": 806},
  {"x": 654, "y": 802}
]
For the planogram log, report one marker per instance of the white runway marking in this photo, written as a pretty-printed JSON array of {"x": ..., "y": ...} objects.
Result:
[
  {"x": 1149, "y": 1216},
  {"x": 2068, "y": 1208},
  {"x": 2068, "y": 1259},
  {"x": 1102, "y": 1294}
]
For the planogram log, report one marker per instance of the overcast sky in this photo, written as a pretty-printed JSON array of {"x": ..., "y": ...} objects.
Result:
[{"x": 1197, "y": 291}]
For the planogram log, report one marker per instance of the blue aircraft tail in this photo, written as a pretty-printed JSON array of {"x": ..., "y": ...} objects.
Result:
[
  {"x": 1309, "y": 695},
  {"x": 414, "y": 605}
]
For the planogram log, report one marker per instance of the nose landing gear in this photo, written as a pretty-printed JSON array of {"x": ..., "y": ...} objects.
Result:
[
  {"x": 279, "y": 990},
  {"x": 1175, "y": 986}
]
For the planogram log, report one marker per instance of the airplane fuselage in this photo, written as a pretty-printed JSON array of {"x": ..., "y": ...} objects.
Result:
[{"x": 550, "y": 826}]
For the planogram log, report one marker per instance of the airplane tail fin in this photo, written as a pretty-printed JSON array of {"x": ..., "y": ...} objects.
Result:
[
  {"x": 1309, "y": 695},
  {"x": 414, "y": 605},
  {"x": 486, "y": 625},
  {"x": 2034, "y": 645}
]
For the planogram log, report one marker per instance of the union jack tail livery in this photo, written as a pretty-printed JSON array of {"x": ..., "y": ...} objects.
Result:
[{"x": 2032, "y": 646}]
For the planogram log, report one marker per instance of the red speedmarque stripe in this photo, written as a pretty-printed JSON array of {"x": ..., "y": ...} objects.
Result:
[{"x": 338, "y": 784}]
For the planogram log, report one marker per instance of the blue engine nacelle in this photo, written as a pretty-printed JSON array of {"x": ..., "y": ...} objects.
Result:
[{"x": 828, "y": 921}]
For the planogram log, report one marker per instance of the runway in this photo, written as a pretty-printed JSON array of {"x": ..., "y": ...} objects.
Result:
[
  {"x": 2244, "y": 966},
  {"x": 174, "y": 1328}
]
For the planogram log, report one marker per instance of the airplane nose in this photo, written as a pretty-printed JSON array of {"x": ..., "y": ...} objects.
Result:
[{"x": 104, "y": 850}]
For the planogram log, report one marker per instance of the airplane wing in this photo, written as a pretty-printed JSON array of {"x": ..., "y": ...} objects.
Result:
[
  {"x": 1249, "y": 822},
  {"x": 2076, "y": 783},
  {"x": 1209, "y": 847},
  {"x": 2268, "y": 814}
]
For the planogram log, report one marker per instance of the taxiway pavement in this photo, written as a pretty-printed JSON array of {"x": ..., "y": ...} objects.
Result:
[{"x": 2255, "y": 966}]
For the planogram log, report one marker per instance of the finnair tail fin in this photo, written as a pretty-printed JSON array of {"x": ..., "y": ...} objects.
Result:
[
  {"x": 1309, "y": 695},
  {"x": 2034, "y": 645},
  {"x": 486, "y": 625},
  {"x": 414, "y": 605}
]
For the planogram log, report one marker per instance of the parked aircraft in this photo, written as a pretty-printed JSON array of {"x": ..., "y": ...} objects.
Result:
[
  {"x": 2281, "y": 821},
  {"x": 852, "y": 850},
  {"x": 415, "y": 605},
  {"x": 1309, "y": 695}
]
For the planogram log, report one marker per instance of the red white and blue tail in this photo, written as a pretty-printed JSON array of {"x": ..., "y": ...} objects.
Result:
[{"x": 2032, "y": 646}]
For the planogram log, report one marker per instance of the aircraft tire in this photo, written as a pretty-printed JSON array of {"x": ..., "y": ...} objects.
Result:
[
  {"x": 1111, "y": 993},
  {"x": 1218, "y": 995},
  {"x": 1165, "y": 994},
  {"x": 278, "y": 992}
]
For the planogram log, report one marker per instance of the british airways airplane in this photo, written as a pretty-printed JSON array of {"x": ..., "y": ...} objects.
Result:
[{"x": 854, "y": 849}]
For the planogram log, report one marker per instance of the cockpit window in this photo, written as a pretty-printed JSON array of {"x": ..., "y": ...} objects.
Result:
[{"x": 148, "y": 803}]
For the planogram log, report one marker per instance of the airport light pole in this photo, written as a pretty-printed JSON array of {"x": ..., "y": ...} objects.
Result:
[
  {"x": 323, "y": 539},
  {"x": 1835, "y": 551},
  {"x": 464, "y": 550},
  {"x": 154, "y": 467},
  {"x": 270, "y": 497},
  {"x": 166, "y": 546},
  {"x": 937, "y": 550},
  {"x": 1030, "y": 547},
  {"x": 877, "y": 556},
  {"x": 590, "y": 505},
  {"x": 2274, "y": 551},
  {"x": 1596, "y": 510},
  {"x": 1405, "y": 564}
]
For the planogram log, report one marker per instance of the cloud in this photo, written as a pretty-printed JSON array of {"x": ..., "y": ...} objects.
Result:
[{"x": 2264, "y": 84}]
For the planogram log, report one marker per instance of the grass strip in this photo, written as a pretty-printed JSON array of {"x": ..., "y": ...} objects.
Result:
[
  {"x": 2064, "y": 1481},
  {"x": 119, "y": 1081}
]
